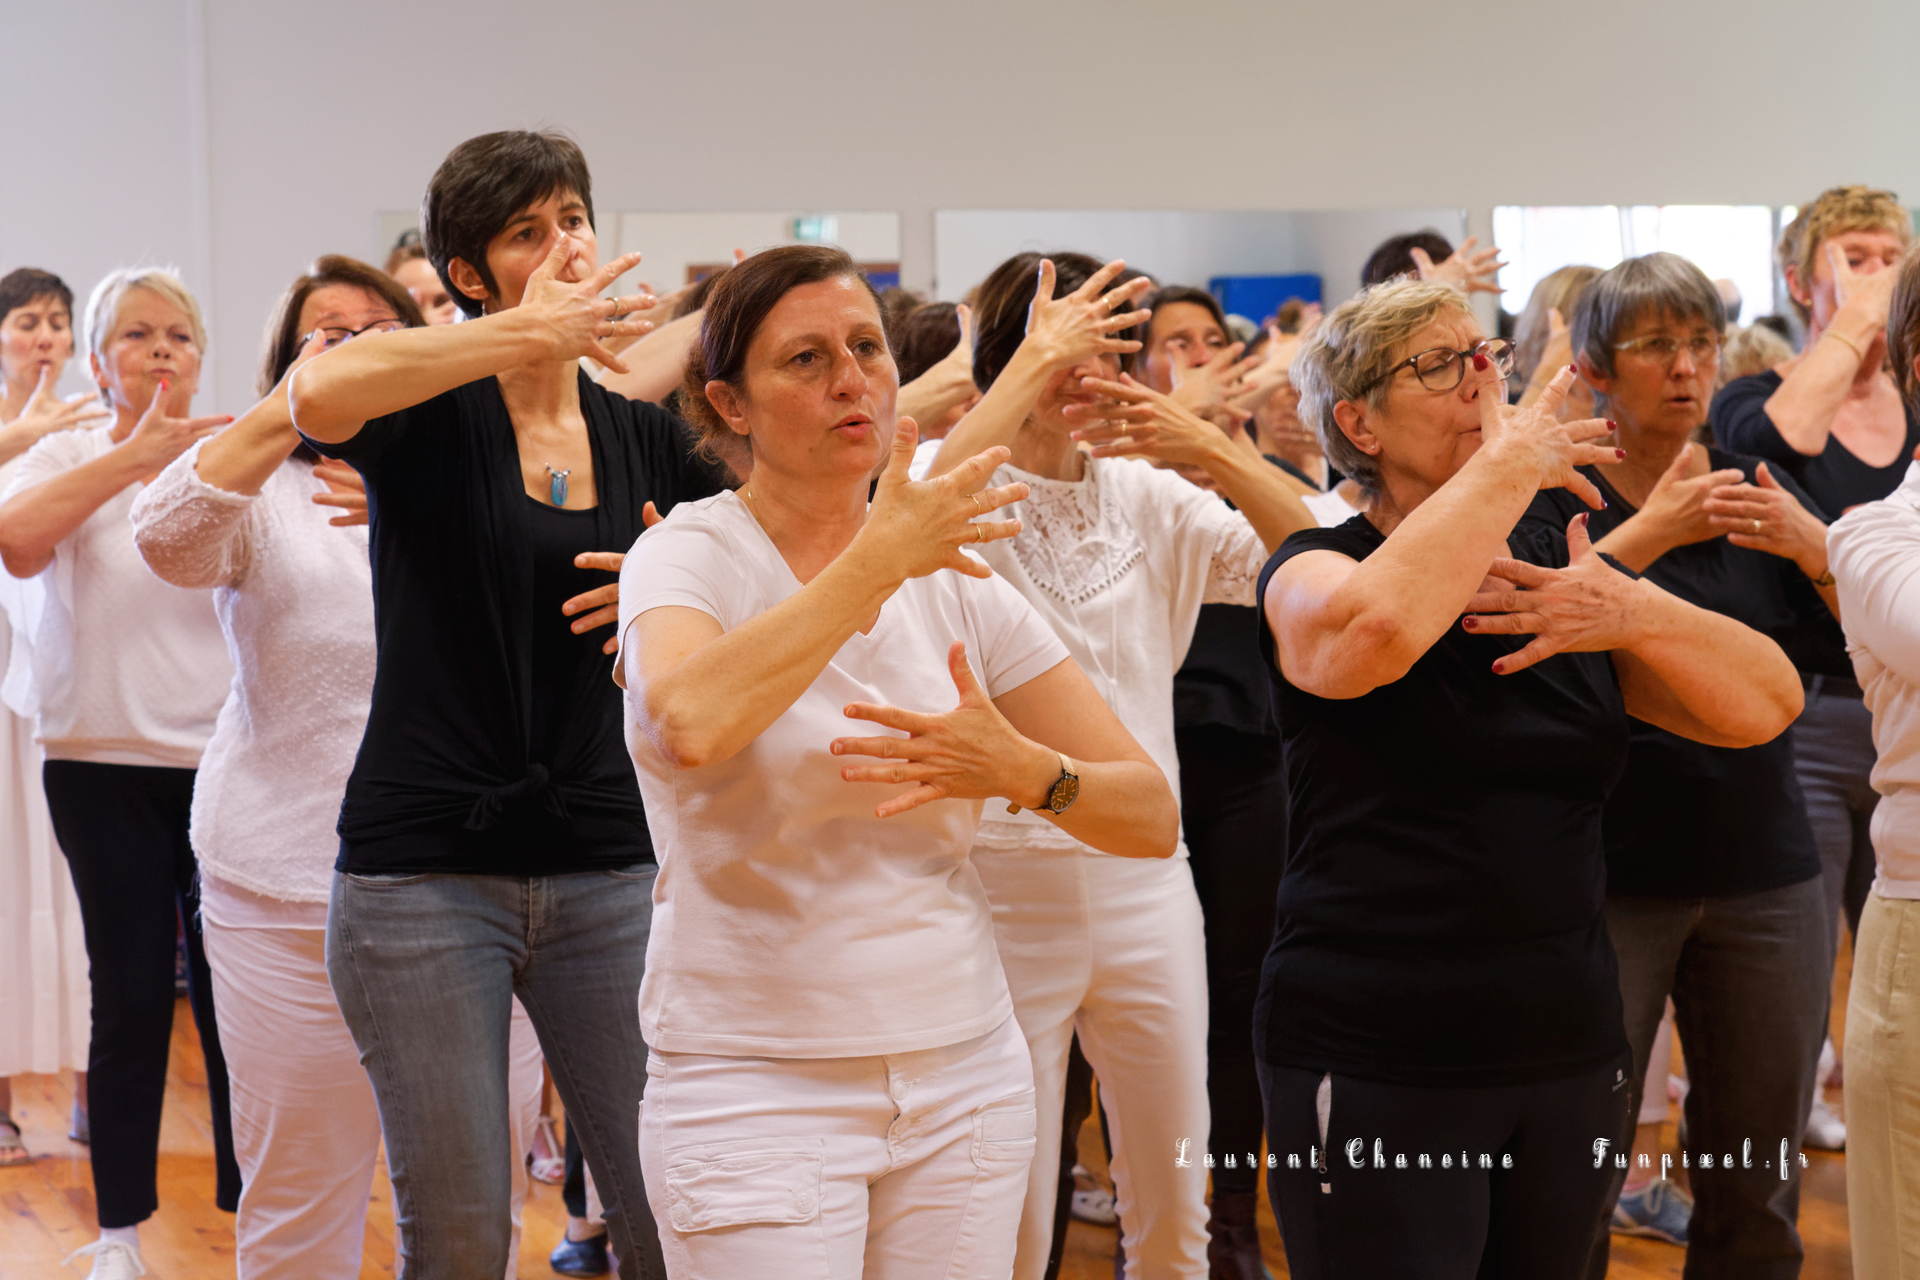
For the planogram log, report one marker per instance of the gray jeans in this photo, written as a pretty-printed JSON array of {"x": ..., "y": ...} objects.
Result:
[
  {"x": 424, "y": 967},
  {"x": 1833, "y": 756},
  {"x": 1749, "y": 978}
]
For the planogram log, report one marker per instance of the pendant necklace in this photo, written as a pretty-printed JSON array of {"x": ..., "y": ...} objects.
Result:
[{"x": 557, "y": 485}]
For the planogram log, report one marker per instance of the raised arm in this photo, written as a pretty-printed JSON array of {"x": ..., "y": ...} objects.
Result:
[
  {"x": 1345, "y": 627},
  {"x": 35, "y": 521},
  {"x": 657, "y": 362},
  {"x": 948, "y": 383},
  {"x": 333, "y": 396},
  {"x": 1848, "y": 350},
  {"x": 1689, "y": 670},
  {"x": 1061, "y": 333},
  {"x": 1011, "y": 746},
  {"x": 701, "y": 693}
]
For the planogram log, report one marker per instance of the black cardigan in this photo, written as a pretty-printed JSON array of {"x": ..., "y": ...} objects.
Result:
[{"x": 445, "y": 780}]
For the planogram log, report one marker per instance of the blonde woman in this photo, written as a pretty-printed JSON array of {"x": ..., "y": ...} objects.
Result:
[{"x": 130, "y": 674}]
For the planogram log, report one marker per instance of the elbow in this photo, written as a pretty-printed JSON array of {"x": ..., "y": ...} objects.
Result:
[
  {"x": 310, "y": 400},
  {"x": 1768, "y": 707},
  {"x": 684, "y": 738},
  {"x": 21, "y": 559},
  {"x": 1371, "y": 650}
]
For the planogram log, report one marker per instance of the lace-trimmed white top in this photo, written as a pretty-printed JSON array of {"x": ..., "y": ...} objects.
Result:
[
  {"x": 1119, "y": 563},
  {"x": 295, "y": 599}
]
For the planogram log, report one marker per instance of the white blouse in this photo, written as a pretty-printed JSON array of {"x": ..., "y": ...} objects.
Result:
[
  {"x": 1119, "y": 563},
  {"x": 295, "y": 601},
  {"x": 1874, "y": 555},
  {"x": 126, "y": 668},
  {"x": 788, "y": 920}
]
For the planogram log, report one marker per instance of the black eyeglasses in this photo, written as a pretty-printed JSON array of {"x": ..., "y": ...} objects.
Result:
[
  {"x": 1442, "y": 368},
  {"x": 335, "y": 336}
]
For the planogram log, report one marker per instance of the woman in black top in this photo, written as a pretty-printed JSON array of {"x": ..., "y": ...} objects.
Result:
[
  {"x": 1832, "y": 419},
  {"x": 1713, "y": 880},
  {"x": 493, "y": 841},
  {"x": 1440, "y": 992}
]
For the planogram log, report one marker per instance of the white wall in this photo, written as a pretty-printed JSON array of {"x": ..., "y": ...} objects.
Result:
[{"x": 240, "y": 138}]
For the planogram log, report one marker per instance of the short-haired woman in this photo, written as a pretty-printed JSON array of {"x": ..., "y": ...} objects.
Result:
[
  {"x": 1119, "y": 556},
  {"x": 129, "y": 673},
  {"x": 1440, "y": 987},
  {"x": 1832, "y": 419},
  {"x": 42, "y": 946},
  {"x": 841, "y": 1089},
  {"x": 1874, "y": 550},
  {"x": 408, "y": 264},
  {"x": 1714, "y": 895},
  {"x": 493, "y": 839}
]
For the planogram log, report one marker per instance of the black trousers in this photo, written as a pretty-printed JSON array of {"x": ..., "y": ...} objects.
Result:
[
  {"x": 1234, "y": 810},
  {"x": 123, "y": 829},
  {"x": 1364, "y": 1214}
]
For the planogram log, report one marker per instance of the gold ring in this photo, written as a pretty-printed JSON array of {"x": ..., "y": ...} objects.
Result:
[
  {"x": 979, "y": 533},
  {"x": 979, "y": 507},
  {"x": 615, "y": 317}
]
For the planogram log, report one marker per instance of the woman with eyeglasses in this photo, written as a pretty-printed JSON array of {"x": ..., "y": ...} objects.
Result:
[
  {"x": 1714, "y": 895},
  {"x": 1438, "y": 1025},
  {"x": 130, "y": 673},
  {"x": 1118, "y": 556},
  {"x": 493, "y": 841}
]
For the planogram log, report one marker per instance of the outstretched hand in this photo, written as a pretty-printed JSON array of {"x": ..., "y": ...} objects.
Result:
[
  {"x": 1555, "y": 450},
  {"x": 1468, "y": 270},
  {"x": 603, "y": 601},
  {"x": 1586, "y": 607},
  {"x": 1680, "y": 507},
  {"x": 1081, "y": 325},
  {"x": 969, "y": 753},
  {"x": 919, "y": 527},
  {"x": 164, "y": 432},
  {"x": 1135, "y": 421},
  {"x": 1765, "y": 517},
  {"x": 577, "y": 317},
  {"x": 46, "y": 413}
]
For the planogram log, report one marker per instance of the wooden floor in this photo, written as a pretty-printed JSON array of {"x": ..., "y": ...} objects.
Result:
[{"x": 46, "y": 1209}]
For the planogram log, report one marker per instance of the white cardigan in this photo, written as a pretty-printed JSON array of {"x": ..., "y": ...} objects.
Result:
[
  {"x": 1874, "y": 556},
  {"x": 295, "y": 599}
]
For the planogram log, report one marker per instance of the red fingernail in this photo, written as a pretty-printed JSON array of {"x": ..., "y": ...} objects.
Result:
[
  {"x": 1480, "y": 363},
  {"x": 1613, "y": 426},
  {"x": 1468, "y": 624},
  {"x": 1573, "y": 368},
  {"x": 1620, "y": 454},
  {"x": 1583, "y": 519}
]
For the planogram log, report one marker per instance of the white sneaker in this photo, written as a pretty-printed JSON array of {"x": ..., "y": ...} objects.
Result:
[
  {"x": 1092, "y": 1204},
  {"x": 1825, "y": 1130},
  {"x": 112, "y": 1260}
]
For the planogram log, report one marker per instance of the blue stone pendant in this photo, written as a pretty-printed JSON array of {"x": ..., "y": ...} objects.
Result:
[{"x": 558, "y": 489}]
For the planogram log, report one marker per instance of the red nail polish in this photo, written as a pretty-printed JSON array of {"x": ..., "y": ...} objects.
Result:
[
  {"x": 1468, "y": 624},
  {"x": 1480, "y": 363},
  {"x": 1612, "y": 425},
  {"x": 1573, "y": 368},
  {"x": 1620, "y": 454}
]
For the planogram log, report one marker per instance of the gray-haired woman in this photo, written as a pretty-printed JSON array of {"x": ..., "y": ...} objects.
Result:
[
  {"x": 1714, "y": 894},
  {"x": 1440, "y": 986}
]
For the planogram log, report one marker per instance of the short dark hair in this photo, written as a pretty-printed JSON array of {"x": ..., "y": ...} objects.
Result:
[
  {"x": 739, "y": 303},
  {"x": 923, "y": 338},
  {"x": 23, "y": 285},
  {"x": 1167, "y": 295},
  {"x": 479, "y": 188},
  {"x": 283, "y": 335},
  {"x": 1394, "y": 257},
  {"x": 1001, "y": 303}
]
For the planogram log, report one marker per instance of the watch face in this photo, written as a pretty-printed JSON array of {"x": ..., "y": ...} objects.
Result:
[{"x": 1065, "y": 792}]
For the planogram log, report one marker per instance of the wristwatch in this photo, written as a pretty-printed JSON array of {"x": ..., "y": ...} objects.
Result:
[{"x": 1066, "y": 789}]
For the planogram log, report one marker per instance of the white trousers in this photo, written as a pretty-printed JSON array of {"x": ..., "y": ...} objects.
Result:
[
  {"x": 306, "y": 1131},
  {"x": 1883, "y": 1091},
  {"x": 906, "y": 1166},
  {"x": 1114, "y": 948}
]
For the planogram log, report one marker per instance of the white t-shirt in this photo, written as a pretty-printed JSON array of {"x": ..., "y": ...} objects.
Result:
[
  {"x": 1329, "y": 508},
  {"x": 788, "y": 920},
  {"x": 127, "y": 669}
]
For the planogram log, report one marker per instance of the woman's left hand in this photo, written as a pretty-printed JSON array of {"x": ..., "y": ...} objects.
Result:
[
  {"x": 1765, "y": 517},
  {"x": 345, "y": 489},
  {"x": 604, "y": 601},
  {"x": 1135, "y": 421},
  {"x": 968, "y": 753},
  {"x": 1586, "y": 607}
]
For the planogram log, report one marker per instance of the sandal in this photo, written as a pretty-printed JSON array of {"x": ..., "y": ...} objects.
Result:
[
  {"x": 547, "y": 1161},
  {"x": 12, "y": 1150}
]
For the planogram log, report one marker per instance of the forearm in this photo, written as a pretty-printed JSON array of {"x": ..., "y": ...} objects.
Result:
[
  {"x": 1635, "y": 544},
  {"x": 242, "y": 457},
  {"x": 1803, "y": 408},
  {"x": 657, "y": 363},
  {"x": 38, "y": 520},
  {"x": 331, "y": 396},
  {"x": 1125, "y": 808},
  {"x": 997, "y": 418},
  {"x": 726, "y": 693},
  {"x": 15, "y": 439},
  {"x": 1262, "y": 493},
  {"x": 930, "y": 396},
  {"x": 1704, "y": 675}
]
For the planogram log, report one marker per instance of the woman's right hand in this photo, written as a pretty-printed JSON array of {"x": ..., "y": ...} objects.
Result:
[
  {"x": 1067, "y": 331},
  {"x": 164, "y": 432},
  {"x": 1867, "y": 294},
  {"x": 575, "y": 316},
  {"x": 47, "y": 413},
  {"x": 1551, "y": 450},
  {"x": 919, "y": 527}
]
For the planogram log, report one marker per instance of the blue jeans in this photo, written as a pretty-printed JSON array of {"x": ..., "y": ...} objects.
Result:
[
  {"x": 424, "y": 967},
  {"x": 1749, "y": 978}
]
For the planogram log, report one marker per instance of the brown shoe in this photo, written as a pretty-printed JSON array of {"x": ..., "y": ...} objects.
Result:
[{"x": 1233, "y": 1245}]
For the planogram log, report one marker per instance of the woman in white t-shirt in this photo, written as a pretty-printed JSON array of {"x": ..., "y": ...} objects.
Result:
[
  {"x": 1118, "y": 555},
  {"x": 837, "y": 1085},
  {"x": 130, "y": 674}
]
